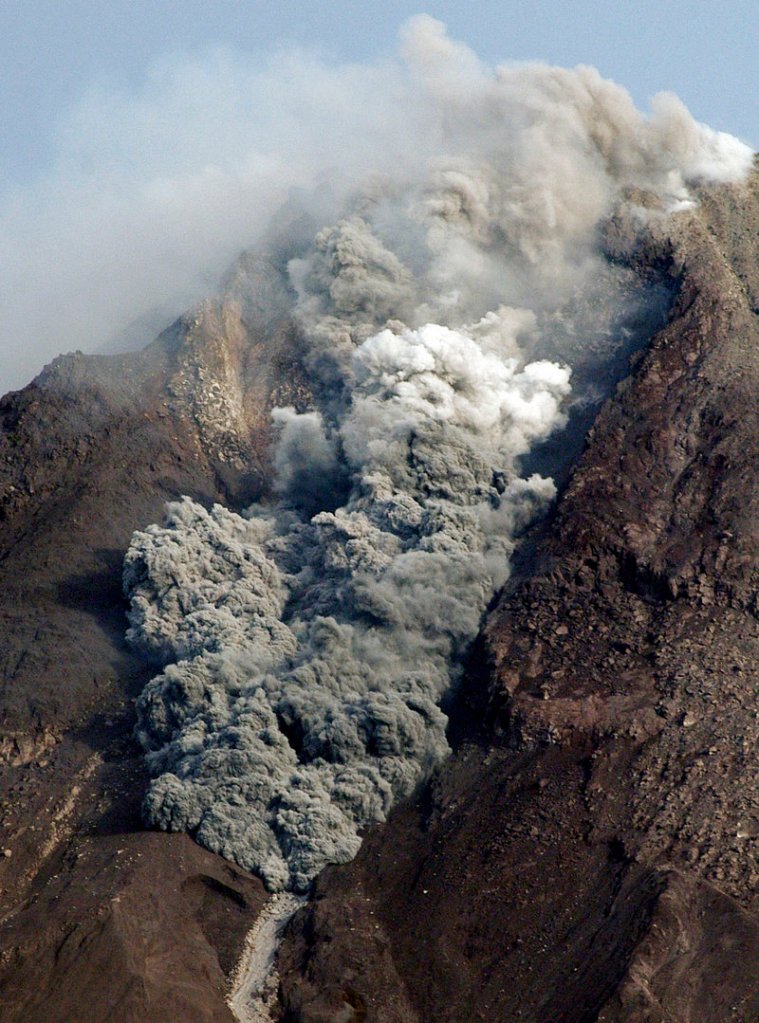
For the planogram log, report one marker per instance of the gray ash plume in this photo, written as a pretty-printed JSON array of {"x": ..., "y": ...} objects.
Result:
[{"x": 306, "y": 645}]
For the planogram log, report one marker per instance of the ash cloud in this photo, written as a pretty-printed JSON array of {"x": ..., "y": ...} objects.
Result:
[
  {"x": 155, "y": 190},
  {"x": 306, "y": 646},
  {"x": 311, "y": 655}
]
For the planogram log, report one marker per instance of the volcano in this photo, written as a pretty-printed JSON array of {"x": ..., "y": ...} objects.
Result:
[{"x": 450, "y": 626}]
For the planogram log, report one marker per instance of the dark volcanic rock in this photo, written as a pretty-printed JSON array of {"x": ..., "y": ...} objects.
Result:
[
  {"x": 99, "y": 919},
  {"x": 589, "y": 852},
  {"x": 151, "y": 936},
  {"x": 92, "y": 449}
]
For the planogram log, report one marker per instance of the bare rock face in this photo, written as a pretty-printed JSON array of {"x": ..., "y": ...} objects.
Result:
[
  {"x": 698, "y": 954},
  {"x": 99, "y": 919},
  {"x": 589, "y": 852},
  {"x": 152, "y": 935},
  {"x": 92, "y": 449}
]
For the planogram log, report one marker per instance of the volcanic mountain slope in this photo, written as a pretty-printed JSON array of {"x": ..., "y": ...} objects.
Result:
[
  {"x": 92, "y": 449},
  {"x": 100, "y": 919},
  {"x": 589, "y": 853}
]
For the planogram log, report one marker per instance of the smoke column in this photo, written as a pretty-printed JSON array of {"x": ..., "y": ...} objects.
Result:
[{"x": 306, "y": 645}]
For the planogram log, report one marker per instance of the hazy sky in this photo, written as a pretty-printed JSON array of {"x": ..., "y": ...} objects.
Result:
[
  {"x": 92, "y": 93},
  {"x": 51, "y": 52}
]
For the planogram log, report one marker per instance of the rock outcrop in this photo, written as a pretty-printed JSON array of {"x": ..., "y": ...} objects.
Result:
[
  {"x": 98, "y": 918},
  {"x": 588, "y": 852}
]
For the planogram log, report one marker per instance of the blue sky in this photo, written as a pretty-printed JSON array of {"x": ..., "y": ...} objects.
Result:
[
  {"x": 52, "y": 52},
  {"x": 142, "y": 143}
]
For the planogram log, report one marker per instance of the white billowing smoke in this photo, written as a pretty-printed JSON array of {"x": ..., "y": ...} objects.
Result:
[
  {"x": 310, "y": 654},
  {"x": 153, "y": 193},
  {"x": 307, "y": 645}
]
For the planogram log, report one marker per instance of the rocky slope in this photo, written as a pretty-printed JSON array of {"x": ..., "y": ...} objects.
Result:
[
  {"x": 99, "y": 919},
  {"x": 588, "y": 852}
]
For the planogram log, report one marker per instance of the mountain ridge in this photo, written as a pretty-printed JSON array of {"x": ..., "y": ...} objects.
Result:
[
  {"x": 620, "y": 674},
  {"x": 635, "y": 614}
]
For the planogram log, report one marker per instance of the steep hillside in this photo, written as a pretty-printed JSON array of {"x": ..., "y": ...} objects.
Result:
[
  {"x": 589, "y": 852},
  {"x": 90, "y": 902},
  {"x": 92, "y": 449}
]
